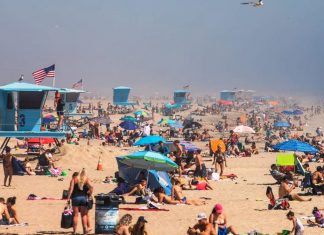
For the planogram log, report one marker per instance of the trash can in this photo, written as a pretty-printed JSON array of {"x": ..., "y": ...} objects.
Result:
[{"x": 106, "y": 214}]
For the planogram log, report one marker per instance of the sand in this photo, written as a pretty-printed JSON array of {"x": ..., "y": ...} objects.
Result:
[{"x": 244, "y": 200}]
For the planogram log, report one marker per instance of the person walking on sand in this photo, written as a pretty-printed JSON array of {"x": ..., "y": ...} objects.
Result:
[
  {"x": 219, "y": 159},
  {"x": 7, "y": 166},
  {"x": 79, "y": 191}
]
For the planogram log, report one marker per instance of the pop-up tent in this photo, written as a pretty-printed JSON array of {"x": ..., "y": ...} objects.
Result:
[
  {"x": 289, "y": 162},
  {"x": 156, "y": 179}
]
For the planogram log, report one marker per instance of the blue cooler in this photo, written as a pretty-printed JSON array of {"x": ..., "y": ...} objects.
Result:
[{"x": 107, "y": 210}]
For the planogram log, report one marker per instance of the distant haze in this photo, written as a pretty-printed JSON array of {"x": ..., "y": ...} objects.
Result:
[{"x": 158, "y": 46}]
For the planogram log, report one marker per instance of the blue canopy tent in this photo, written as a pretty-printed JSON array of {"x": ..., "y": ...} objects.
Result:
[
  {"x": 120, "y": 96},
  {"x": 156, "y": 179},
  {"x": 281, "y": 124}
]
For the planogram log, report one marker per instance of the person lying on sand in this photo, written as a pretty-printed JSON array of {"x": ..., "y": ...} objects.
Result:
[
  {"x": 203, "y": 227},
  {"x": 285, "y": 191},
  {"x": 177, "y": 194},
  {"x": 163, "y": 198}
]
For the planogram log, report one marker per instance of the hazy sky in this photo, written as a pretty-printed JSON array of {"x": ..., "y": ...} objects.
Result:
[{"x": 162, "y": 45}]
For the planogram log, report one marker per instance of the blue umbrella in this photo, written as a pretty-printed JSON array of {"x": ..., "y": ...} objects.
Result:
[
  {"x": 128, "y": 125},
  {"x": 281, "y": 124},
  {"x": 295, "y": 145},
  {"x": 149, "y": 160},
  {"x": 152, "y": 139},
  {"x": 298, "y": 112},
  {"x": 287, "y": 112}
]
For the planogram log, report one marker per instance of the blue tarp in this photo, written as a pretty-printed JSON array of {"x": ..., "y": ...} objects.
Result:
[
  {"x": 156, "y": 179},
  {"x": 281, "y": 124}
]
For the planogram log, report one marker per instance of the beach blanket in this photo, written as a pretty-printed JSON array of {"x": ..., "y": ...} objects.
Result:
[{"x": 229, "y": 176}]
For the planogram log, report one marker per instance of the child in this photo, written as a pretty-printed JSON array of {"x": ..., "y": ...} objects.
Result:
[{"x": 298, "y": 227}]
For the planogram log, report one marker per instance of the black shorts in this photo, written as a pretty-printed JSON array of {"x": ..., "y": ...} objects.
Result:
[
  {"x": 289, "y": 197},
  {"x": 178, "y": 161}
]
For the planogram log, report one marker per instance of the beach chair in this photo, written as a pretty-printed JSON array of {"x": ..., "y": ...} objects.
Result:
[{"x": 307, "y": 184}]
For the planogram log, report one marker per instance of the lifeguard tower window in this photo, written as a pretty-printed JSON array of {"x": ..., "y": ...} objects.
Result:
[
  {"x": 30, "y": 100},
  {"x": 180, "y": 95},
  {"x": 10, "y": 102},
  {"x": 72, "y": 97}
]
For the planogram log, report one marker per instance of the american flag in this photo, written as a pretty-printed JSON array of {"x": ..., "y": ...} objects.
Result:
[
  {"x": 41, "y": 74},
  {"x": 77, "y": 85},
  {"x": 186, "y": 86}
]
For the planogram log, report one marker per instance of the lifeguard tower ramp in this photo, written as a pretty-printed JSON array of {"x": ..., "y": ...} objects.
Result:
[
  {"x": 21, "y": 107},
  {"x": 121, "y": 95}
]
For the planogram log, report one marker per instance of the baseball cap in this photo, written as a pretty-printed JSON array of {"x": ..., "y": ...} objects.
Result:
[
  {"x": 201, "y": 216},
  {"x": 218, "y": 208},
  {"x": 142, "y": 219}
]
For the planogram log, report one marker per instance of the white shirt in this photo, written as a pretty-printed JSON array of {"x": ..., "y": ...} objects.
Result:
[{"x": 147, "y": 130}]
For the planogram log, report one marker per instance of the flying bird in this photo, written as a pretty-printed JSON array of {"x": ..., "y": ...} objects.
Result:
[
  {"x": 21, "y": 78},
  {"x": 254, "y": 4}
]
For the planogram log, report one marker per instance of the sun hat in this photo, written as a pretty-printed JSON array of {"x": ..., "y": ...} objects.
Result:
[{"x": 201, "y": 216}]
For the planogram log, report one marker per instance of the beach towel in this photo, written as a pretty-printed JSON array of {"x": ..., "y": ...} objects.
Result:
[
  {"x": 142, "y": 209},
  {"x": 33, "y": 197},
  {"x": 14, "y": 225},
  {"x": 215, "y": 143},
  {"x": 229, "y": 176}
]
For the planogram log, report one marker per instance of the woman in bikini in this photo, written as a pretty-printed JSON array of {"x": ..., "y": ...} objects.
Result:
[
  {"x": 11, "y": 201},
  {"x": 163, "y": 198},
  {"x": 219, "y": 159},
  {"x": 178, "y": 195},
  {"x": 4, "y": 214},
  {"x": 219, "y": 220}
]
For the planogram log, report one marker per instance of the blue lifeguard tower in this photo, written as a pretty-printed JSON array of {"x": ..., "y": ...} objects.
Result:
[
  {"x": 228, "y": 95},
  {"x": 71, "y": 98},
  {"x": 21, "y": 107},
  {"x": 121, "y": 95},
  {"x": 180, "y": 97}
]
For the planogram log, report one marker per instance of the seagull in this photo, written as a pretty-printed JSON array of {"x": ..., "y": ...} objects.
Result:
[
  {"x": 21, "y": 78},
  {"x": 254, "y": 4}
]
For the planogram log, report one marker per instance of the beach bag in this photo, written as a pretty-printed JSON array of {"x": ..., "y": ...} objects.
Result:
[
  {"x": 89, "y": 203},
  {"x": 214, "y": 176},
  {"x": 65, "y": 194},
  {"x": 140, "y": 200},
  {"x": 67, "y": 218}
]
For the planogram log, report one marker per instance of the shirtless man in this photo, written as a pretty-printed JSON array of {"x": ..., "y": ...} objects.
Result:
[
  {"x": 200, "y": 166},
  {"x": 285, "y": 190},
  {"x": 177, "y": 194},
  {"x": 203, "y": 227},
  {"x": 318, "y": 179},
  {"x": 7, "y": 166}
]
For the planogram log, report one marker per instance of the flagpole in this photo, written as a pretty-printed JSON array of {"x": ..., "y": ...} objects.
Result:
[{"x": 53, "y": 82}]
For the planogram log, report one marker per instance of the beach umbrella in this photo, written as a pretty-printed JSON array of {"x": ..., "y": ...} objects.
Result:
[
  {"x": 49, "y": 118},
  {"x": 295, "y": 145},
  {"x": 128, "y": 118},
  {"x": 166, "y": 121},
  {"x": 141, "y": 113},
  {"x": 281, "y": 124},
  {"x": 298, "y": 112},
  {"x": 243, "y": 129},
  {"x": 188, "y": 146},
  {"x": 152, "y": 139},
  {"x": 149, "y": 160},
  {"x": 101, "y": 120},
  {"x": 128, "y": 125}
]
